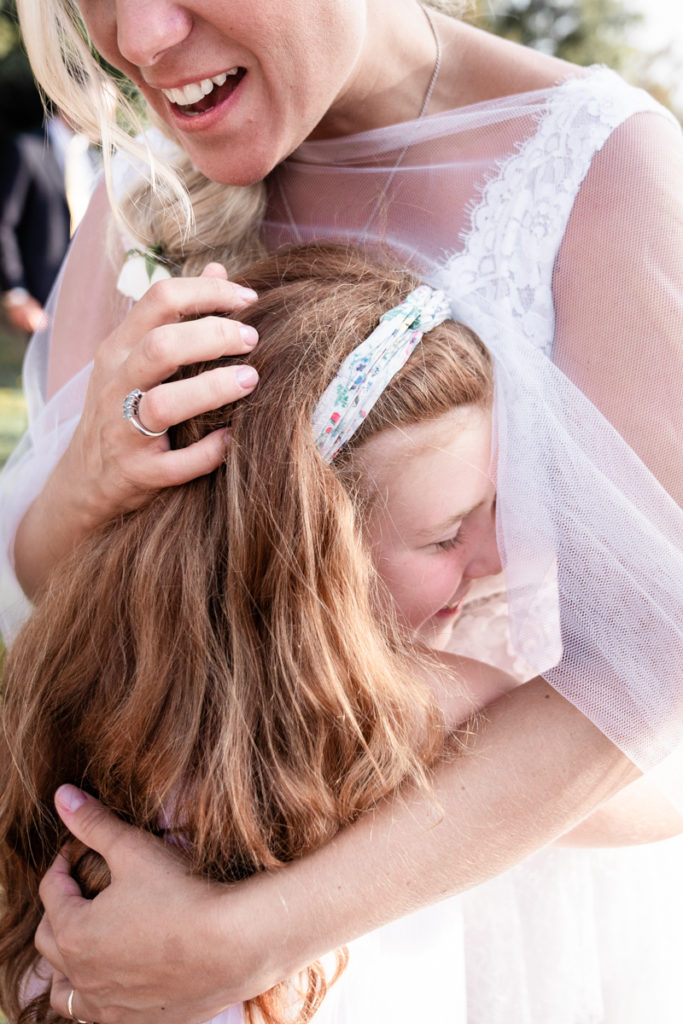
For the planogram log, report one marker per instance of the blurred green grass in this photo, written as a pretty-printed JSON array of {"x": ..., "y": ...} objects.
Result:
[{"x": 12, "y": 404}]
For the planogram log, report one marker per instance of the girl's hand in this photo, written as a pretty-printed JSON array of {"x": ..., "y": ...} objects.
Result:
[{"x": 109, "y": 467}]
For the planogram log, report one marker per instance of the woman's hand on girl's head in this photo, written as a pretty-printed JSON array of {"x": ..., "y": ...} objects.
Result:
[
  {"x": 109, "y": 467},
  {"x": 118, "y": 468}
]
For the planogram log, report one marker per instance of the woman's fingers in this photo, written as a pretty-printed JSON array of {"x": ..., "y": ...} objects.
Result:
[
  {"x": 162, "y": 350},
  {"x": 59, "y": 998},
  {"x": 180, "y": 400},
  {"x": 215, "y": 270},
  {"x": 45, "y": 943},
  {"x": 176, "y": 299},
  {"x": 179, "y": 466},
  {"x": 148, "y": 948}
]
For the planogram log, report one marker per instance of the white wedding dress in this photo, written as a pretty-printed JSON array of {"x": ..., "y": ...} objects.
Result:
[{"x": 554, "y": 220}]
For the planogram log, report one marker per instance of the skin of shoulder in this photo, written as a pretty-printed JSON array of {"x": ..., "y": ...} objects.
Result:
[{"x": 479, "y": 66}]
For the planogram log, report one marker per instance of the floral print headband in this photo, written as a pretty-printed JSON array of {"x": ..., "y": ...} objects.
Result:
[{"x": 365, "y": 373}]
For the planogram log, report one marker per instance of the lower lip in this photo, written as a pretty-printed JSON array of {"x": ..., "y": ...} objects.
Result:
[
  {"x": 449, "y": 613},
  {"x": 209, "y": 118}
]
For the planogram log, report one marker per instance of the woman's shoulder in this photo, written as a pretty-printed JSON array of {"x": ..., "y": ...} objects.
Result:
[
  {"x": 479, "y": 67},
  {"x": 482, "y": 70}
]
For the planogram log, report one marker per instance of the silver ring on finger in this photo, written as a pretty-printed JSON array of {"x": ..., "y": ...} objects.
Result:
[
  {"x": 131, "y": 407},
  {"x": 70, "y": 1008}
]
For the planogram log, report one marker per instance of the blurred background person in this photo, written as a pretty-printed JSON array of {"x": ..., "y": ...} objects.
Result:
[{"x": 34, "y": 214}]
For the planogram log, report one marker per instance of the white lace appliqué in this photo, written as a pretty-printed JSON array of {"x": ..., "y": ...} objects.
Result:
[{"x": 506, "y": 265}]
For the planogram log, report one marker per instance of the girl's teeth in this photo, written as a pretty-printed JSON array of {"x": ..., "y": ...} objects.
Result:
[{"x": 221, "y": 79}]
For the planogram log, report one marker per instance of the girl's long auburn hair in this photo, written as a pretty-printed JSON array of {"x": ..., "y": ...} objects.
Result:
[{"x": 214, "y": 666}]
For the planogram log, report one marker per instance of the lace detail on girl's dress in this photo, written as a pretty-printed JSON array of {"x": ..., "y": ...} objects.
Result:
[{"x": 516, "y": 228}]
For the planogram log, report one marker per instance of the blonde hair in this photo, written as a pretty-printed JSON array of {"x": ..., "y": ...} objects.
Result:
[
  {"x": 215, "y": 666},
  {"x": 227, "y": 221},
  {"x": 97, "y": 103}
]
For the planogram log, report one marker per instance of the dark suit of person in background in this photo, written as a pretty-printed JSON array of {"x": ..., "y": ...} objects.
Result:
[
  {"x": 34, "y": 219},
  {"x": 34, "y": 225}
]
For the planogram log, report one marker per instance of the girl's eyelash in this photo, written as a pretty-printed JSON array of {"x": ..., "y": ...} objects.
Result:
[{"x": 446, "y": 545}]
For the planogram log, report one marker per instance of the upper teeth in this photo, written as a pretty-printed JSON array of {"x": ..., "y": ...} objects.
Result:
[{"x": 195, "y": 90}]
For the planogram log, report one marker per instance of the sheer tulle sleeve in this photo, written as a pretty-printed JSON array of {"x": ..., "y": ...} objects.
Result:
[
  {"x": 589, "y": 425},
  {"x": 619, "y": 337},
  {"x": 83, "y": 309}
]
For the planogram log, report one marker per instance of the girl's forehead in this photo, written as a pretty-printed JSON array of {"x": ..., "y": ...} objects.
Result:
[
  {"x": 461, "y": 435},
  {"x": 421, "y": 475}
]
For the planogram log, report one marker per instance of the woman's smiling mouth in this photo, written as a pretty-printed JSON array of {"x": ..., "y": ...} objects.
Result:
[{"x": 198, "y": 97}]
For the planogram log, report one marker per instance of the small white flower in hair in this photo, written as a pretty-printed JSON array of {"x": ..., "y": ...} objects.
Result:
[{"x": 139, "y": 272}]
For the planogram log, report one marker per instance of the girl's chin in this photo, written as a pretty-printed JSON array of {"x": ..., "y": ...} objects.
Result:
[{"x": 438, "y": 638}]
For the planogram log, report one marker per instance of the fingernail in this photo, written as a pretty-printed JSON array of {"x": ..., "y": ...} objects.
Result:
[
  {"x": 248, "y": 294},
  {"x": 249, "y": 335},
  {"x": 70, "y": 797},
  {"x": 246, "y": 376}
]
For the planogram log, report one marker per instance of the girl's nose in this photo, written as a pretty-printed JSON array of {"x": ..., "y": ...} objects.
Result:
[
  {"x": 485, "y": 560},
  {"x": 147, "y": 29}
]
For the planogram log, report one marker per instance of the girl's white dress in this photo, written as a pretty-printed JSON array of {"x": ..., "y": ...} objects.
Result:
[{"x": 555, "y": 221}]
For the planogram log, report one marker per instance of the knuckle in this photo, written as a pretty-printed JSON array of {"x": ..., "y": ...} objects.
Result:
[
  {"x": 223, "y": 331},
  {"x": 219, "y": 388},
  {"x": 215, "y": 290},
  {"x": 155, "y": 407},
  {"x": 42, "y": 892},
  {"x": 157, "y": 345},
  {"x": 163, "y": 293},
  {"x": 40, "y": 937},
  {"x": 70, "y": 945}
]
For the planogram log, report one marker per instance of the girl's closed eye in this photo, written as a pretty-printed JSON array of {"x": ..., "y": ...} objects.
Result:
[{"x": 449, "y": 542}]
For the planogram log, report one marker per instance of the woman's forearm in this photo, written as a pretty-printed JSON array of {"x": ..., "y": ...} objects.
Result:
[
  {"x": 52, "y": 526},
  {"x": 638, "y": 814},
  {"x": 536, "y": 768},
  {"x": 533, "y": 770}
]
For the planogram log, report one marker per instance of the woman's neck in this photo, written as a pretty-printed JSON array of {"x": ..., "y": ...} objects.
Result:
[
  {"x": 394, "y": 72},
  {"x": 396, "y": 69}
]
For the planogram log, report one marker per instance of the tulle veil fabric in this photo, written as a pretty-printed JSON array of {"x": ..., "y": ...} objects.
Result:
[{"x": 555, "y": 221}]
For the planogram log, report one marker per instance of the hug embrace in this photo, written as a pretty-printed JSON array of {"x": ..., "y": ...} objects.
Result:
[{"x": 358, "y": 630}]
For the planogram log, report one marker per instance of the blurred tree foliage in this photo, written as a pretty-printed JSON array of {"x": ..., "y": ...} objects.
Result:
[
  {"x": 21, "y": 107},
  {"x": 16, "y": 80},
  {"x": 9, "y": 30},
  {"x": 580, "y": 31},
  {"x": 584, "y": 32}
]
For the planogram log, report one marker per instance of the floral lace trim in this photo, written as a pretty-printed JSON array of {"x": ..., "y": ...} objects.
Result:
[{"x": 525, "y": 207}]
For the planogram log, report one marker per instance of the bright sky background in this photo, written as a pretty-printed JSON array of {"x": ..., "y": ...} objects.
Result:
[
  {"x": 663, "y": 25},
  {"x": 663, "y": 20}
]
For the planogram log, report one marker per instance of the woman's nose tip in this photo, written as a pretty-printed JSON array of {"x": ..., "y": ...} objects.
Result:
[{"x": 147, "y": 31}]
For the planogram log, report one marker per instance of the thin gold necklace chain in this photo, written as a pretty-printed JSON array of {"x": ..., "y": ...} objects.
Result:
[{"x": 401, "y": 155}]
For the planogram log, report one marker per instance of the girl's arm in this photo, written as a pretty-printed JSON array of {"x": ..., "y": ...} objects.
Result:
[{"x": 158, "y": 945}]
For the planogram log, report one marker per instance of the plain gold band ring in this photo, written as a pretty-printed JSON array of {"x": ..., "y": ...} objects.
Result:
[{"x": 70, "y": 1008}]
